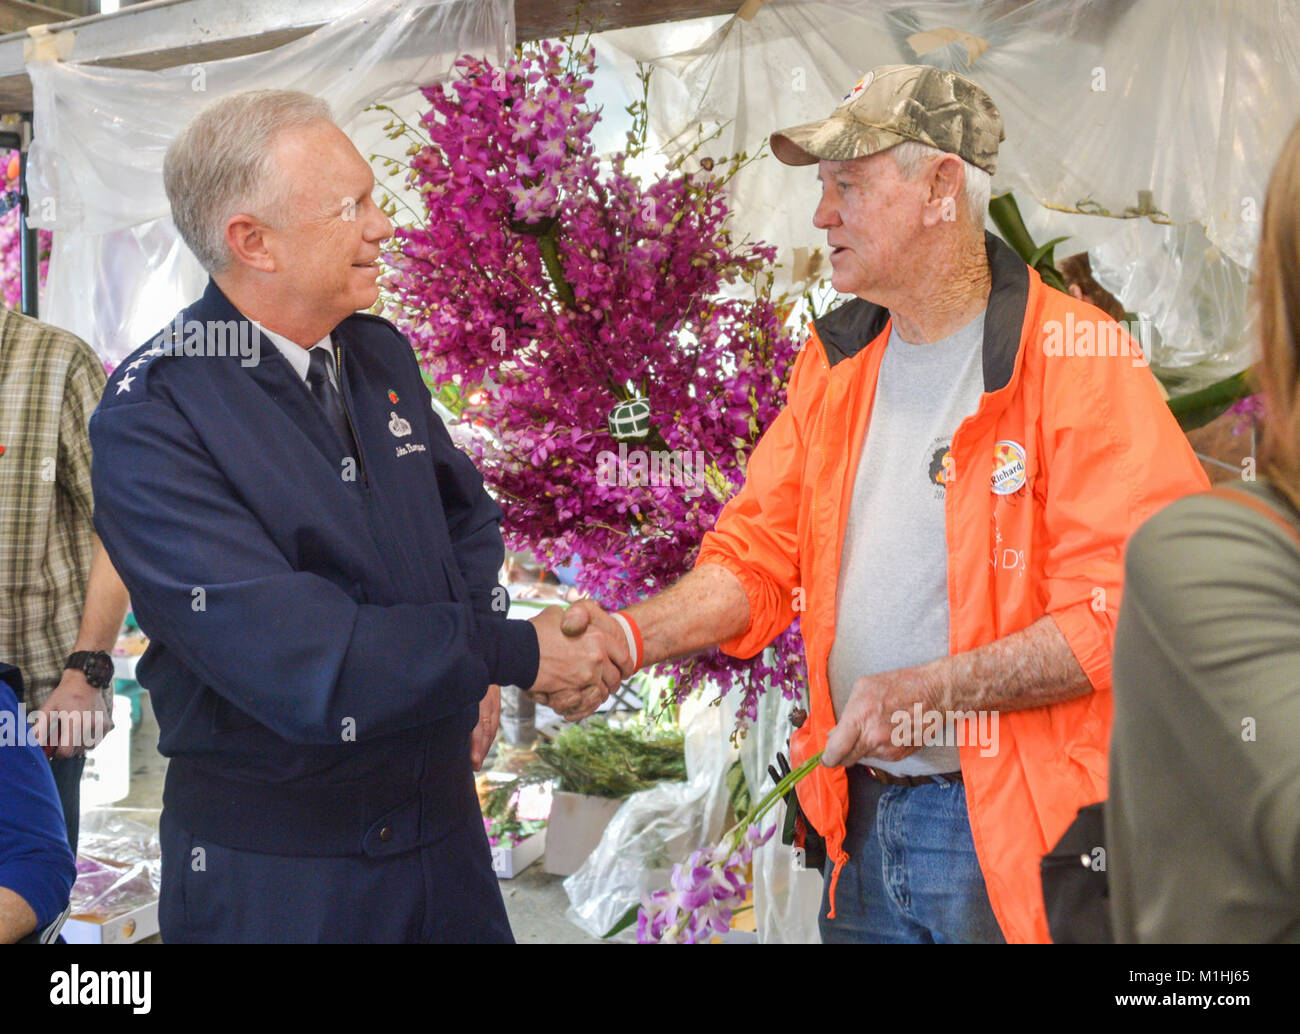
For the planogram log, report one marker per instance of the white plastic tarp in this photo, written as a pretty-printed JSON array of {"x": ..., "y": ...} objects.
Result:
[
  {"x": 1101, "y": 99},
  {"x": 118, "y": 270}
]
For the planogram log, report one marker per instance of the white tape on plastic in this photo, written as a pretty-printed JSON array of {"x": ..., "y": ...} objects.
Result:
[
  {"x": 924, "y": 42},
  {"x": 47, "y": 45}
]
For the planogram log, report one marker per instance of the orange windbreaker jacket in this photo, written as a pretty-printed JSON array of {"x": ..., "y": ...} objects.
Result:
[{"x": 1066, "y": 455}]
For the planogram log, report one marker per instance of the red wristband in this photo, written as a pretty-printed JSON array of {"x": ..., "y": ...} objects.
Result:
[{"x": 636, "y": 637}]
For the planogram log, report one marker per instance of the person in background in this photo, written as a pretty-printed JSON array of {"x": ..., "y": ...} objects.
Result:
[
  {"x": 36, "y": 865},
  {"x": 1203, "y": 818},
  {"x": 1079, "y": 282},
  {"x": 61, "y": 602}
]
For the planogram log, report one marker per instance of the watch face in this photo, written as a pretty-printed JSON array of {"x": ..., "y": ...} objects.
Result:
[{"x": 99, "y": 670}]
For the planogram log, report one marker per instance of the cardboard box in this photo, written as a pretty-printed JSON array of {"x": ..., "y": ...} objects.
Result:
[
  {"x": 127, "y": 928},
  {"x": 576, "y": 825},
  {"x": 509, "y": 861}
]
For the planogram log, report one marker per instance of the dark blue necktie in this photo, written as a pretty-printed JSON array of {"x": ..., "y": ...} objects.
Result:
[{"x": 318, "y": 379}]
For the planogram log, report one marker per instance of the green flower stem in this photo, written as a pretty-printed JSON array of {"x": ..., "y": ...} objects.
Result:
[
  {"x": 551, "y": 258},
  {"x": 774, "y": 795},
  {"x": 549, "y": 246}
]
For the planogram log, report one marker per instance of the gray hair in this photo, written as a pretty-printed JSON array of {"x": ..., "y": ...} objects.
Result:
[
  {"x": 221, "y": 164},
  {"x": 910, "y": 155}
]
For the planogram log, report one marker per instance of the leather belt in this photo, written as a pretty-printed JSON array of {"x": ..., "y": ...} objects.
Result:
[{"x": 890, "y": 779}]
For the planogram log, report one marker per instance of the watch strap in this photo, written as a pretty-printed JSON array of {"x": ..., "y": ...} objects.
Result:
[{"x": 80, "y": 658}]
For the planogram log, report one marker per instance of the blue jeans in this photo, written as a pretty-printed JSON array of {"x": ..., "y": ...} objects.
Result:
[
  {"x": 67, "y": 779},
  {"x": 912, "y": 876}
]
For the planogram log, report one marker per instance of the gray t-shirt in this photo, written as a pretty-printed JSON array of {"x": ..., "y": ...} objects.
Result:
[{"x": 891, "y": 605}]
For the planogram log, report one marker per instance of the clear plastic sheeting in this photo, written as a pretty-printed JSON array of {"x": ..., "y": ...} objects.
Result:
[
  {"x": 1171, "y": 109},
  {"x": 117, "y": 269},
  {"x": 111, "y": 835},
  {"x": 119, "y": 865},
  {"x": 1194, "y": 295},
  {"x": 113, "y": 290},
  {"x": 657, "y": 828},
  {"x": 103, "y": 891},
  {"x": 786, "y": 900}
]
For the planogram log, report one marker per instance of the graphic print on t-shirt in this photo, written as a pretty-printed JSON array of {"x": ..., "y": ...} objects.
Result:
[{"x": 941, "y": 471}]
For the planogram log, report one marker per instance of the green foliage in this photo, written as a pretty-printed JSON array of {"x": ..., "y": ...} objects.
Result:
[
  {"x": 1046, "y": 253},
  {"x": 628, "y": 918},
  {"x": 597, "y": 759},
  {"x": 1200, "y": 407},
  {"x": 497, "y": 801},
  {"x": 448, "y": 393},
  {"x": 512, "y": 829},
  {"x": 501, "y": 808},
  {"x": 1006, "y": 216}
]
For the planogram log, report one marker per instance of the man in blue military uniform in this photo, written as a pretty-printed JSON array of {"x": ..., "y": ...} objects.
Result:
[{"x": 315, "y": 564}]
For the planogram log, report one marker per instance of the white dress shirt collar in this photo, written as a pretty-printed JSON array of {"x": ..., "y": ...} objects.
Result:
[{"x": 298, "y": 356}]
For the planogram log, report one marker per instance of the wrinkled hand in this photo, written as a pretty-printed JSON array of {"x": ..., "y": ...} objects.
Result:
[
  {"x": 575, "y": 674},
  {"x": 65, "y": 725},
  {"x": 489, "y": 719},
  {"x": 866, "y": 728}
]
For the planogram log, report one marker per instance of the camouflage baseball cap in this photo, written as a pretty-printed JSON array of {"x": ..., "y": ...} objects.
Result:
[{"x": 894, "y": 103}]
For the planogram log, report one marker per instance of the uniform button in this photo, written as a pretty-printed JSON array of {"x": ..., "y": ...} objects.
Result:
[{"x": 386, "y": 834}]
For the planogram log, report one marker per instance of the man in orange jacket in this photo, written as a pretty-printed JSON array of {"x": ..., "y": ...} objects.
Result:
[{"x": 944, "y": 502}]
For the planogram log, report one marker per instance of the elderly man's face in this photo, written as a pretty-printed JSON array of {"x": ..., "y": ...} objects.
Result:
[
  {"x": 872, "y": 218},
  {"x": 327, "y": 247}
]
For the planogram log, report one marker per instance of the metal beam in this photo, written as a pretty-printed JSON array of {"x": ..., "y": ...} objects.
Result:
[
  {"x": 15, "y": 15},
  {"x": 543, "y": 19},
  {"x": 166, "y": 33},
  {"x": 29, "y": 242}
]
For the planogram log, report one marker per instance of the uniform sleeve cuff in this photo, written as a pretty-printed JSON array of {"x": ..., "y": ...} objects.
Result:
[{"x": 509, "y": 649}]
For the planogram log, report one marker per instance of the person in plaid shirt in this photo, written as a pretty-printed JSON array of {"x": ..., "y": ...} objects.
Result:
[{"x": 61, "y": 602}]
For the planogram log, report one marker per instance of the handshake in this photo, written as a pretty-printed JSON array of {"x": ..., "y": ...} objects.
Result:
[{"x": 584, "y": 657}]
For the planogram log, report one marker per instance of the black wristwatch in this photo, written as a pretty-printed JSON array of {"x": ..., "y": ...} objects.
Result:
[{"x": 96, "y": 665}]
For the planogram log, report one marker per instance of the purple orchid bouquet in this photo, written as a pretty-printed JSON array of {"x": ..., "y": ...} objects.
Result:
[
  {"x": 607, "y": 388},
  {"x": 705, "y": 892}
]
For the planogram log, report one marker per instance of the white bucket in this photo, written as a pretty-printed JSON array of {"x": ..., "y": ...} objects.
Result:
[{"x": 107, "y": 775}]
